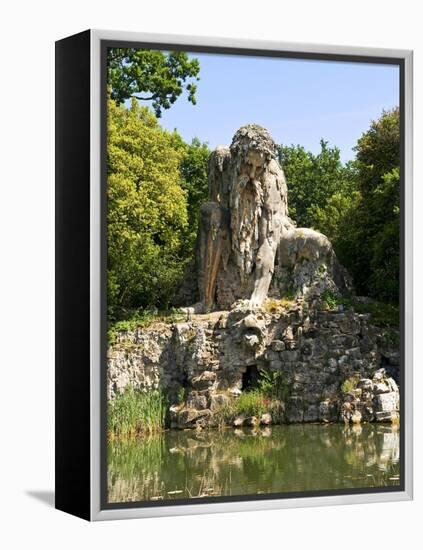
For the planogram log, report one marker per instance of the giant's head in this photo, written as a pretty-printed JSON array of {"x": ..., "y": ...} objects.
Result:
[{"x": 253, "y": 147}]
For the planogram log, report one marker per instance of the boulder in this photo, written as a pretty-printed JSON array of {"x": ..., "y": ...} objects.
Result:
[
  {"x": 219, "y": 400},
  {"x": 204, "y": 381},
  {"x": 346, "y": 413},
  {"x": 239, "y": 421},
  {"x": 387, "y": 416},
  {"x": 253, "y": 421},
  {"x": 365, "y": 384},
  {"x": 196, "y": 400},
  {"x": 356, "y": 417},
  {"x": 191, "y": 418},
  {"x": 379, "y": 375},
  {"x": 392, "y": 385},
  {"x": 386, "y": 402},
  {"x": 381, "y": 387},
  {"x": 266, "y": 419},
  {"x": 277, "y": 345}
]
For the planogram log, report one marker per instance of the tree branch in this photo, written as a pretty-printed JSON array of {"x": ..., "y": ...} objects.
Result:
[{"x": 144, "y": 98}]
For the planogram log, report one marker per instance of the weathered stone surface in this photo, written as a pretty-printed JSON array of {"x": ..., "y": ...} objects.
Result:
[
  {"x": 295, "y": 410},
  {"x": 356, "y": 417},
  {"x": 239, "y": 421},
  {"x": 196, "y": 400},
  {"x": 289, "y": 356},
  {"x": 218, "y": 401},
  {"x": 209, "y": 359},
  {"x": 387, "y": 416},
  {"x": 372, "y": 399},
  {"x": 245, "y": 226},
  {"x": 328, "y": 411},
  {"x": 139, "y": 360},
  {"x": 381, "y": 387},
  {"x": 191, "y": 418},
  {"x": 311, "y": 413},
  {"x": 365, "y": 384},
  {"x": 386, "y": 402},
  {"x": 266, "y": 419},
  {"x": 253, "y": 421},
  {"x": 379, "y": 375},
  {"x": 308, "y": 265},
  {"x": 204, "y": 381},
  {"x": 276, "y": 365},
  {"x": 393, "y": 386},
  {"x": 277, "y": 345}
]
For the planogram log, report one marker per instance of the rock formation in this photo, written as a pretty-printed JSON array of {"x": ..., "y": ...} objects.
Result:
[
  {"x": 335, "y": 365},
  {"x": 246, "y": 234}
]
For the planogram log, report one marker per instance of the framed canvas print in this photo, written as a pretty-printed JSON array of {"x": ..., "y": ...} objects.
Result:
[{"x": 233, "y": 275}]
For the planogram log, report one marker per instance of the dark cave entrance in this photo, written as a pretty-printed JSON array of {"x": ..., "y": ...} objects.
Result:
[
  {"x": 392, "y": 371},
  {"x": 250, "y": 378}
]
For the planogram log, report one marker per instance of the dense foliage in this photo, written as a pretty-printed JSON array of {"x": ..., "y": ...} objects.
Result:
[
  {"x": 313, "y": 179},
  {"x": 156, "y": 183},
  {"x": 151, "y": 75},
  {"x": 147, "y": 210},
  {"x": 363, "y": 219},
  {"x": 194, "y": 169},
  {"x": 377, "y": 218}
]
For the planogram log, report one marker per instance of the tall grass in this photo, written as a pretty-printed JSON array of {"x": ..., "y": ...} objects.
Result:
[
  {"x": 136, "y": 412},
  {"x": 268, "y": 397},
  {"x": 251, "y": 403},
  {"x": 273, "y": 385}
]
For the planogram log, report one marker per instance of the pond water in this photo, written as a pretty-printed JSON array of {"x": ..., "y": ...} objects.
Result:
[{"x": 302, "y": 457}]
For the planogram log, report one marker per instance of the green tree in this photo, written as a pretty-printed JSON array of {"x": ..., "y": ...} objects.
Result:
[
  {"x": 313, "y": 179},
  {"x": 151, "y": 75},
  {"x": 378, "y": 152},
  {"x": 364, "y": 225},
  {"x": 385, "y": 261},
  {"x": 194, "y": 172},
  {"x": 374, "y": 228},
  {"x": 147, "y": 210},
  {"x": 331, "y": 219}
]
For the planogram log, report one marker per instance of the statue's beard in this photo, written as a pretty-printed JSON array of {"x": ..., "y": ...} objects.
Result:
[{"x": 245, "y": 217}]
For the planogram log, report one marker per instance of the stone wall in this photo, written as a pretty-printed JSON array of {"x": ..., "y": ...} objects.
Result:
[{"x": 336, "y": 366}]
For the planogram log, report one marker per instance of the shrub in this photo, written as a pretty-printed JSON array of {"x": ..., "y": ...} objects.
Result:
[
  {"x": 382, "y": 314},
  {"x": 272, "y": 384},
  {"x": 272, "y": 305},
  {"x": 349, "y": 384},
  {"x": 330, "y": 299}
]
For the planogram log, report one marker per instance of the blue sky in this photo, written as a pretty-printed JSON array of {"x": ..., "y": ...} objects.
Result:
[{"x": 298, "y": 101}]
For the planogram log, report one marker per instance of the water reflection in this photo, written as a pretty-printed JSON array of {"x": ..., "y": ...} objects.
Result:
[{"x": 188, "y": 464}]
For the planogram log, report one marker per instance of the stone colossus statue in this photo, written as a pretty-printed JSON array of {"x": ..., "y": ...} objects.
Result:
[{"x": 245, "y": 230}]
